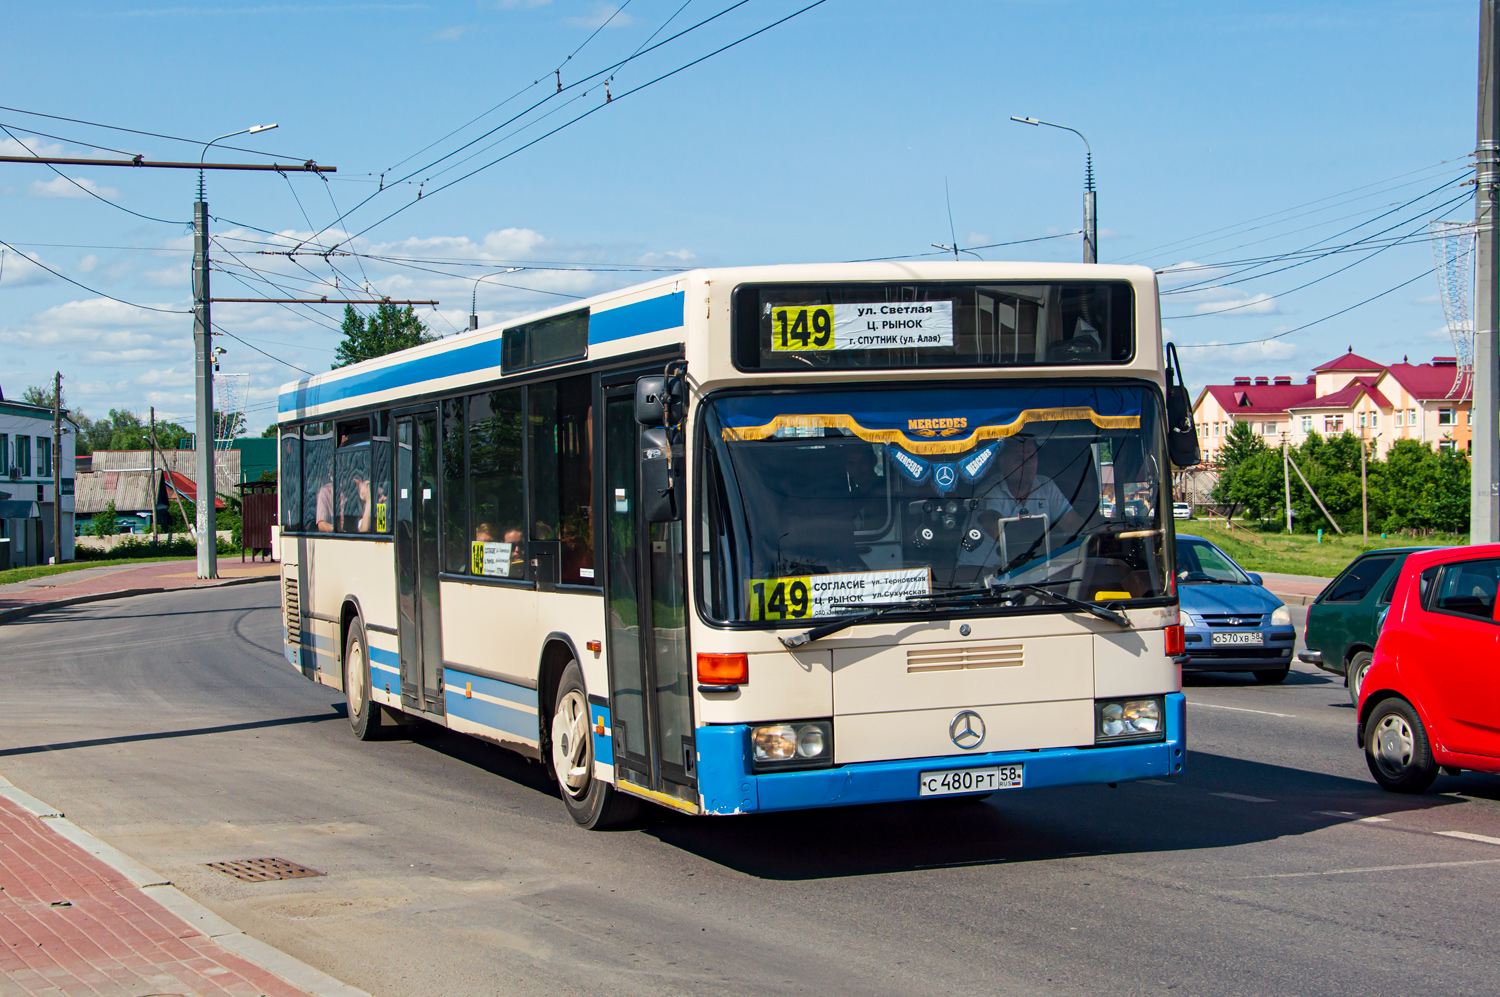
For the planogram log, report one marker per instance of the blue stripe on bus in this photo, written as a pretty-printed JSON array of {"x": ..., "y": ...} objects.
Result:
[
  {"x": 506, "y": 719},
  {"x": 638, "y": 319},
  {"x": 651, "y": 315},
  {"x": 729, "y": 787},
  {"x": 383, "y": 660},
  {"x": 604, "y": 744}
]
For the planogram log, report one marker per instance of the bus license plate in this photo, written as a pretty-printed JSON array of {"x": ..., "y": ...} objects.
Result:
[
  {"x": 947, "y": 782},
  {"x": 1239, "y": 638}
]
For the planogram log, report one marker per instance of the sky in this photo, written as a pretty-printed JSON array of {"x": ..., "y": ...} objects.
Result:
[{"x": 1235, "y": 146}]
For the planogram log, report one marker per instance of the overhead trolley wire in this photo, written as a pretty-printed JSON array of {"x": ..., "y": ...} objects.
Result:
[
  {"x": 572, "y": 121},
  {"x": 91, "y": 193},
  {"x": 134, "y": 131},
  {"x": 1309, "y": 325},
  {"x": 92, "y": 290}
]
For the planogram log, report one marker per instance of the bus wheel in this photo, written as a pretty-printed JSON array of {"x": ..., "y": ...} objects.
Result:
[
  {"x": 364, "y": 714},
  {"x": 591, "y": 802}
]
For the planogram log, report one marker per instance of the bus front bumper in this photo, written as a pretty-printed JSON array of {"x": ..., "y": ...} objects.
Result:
[{"x": 728, "y": 786}]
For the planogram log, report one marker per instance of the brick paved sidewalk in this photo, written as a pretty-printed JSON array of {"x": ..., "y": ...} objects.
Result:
[
  {"x": 101, "y": 582},
  {"x": 69, "y": 924}
]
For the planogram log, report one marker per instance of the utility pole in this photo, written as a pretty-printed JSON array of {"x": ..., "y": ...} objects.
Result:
[
  {"x": 153, "y": 476},
  {"x": 1286, "y": 472},
  {"x": 1485, "y": 494},
  {"x": 1090, "y": 216},
  {"x": 203, "y": 376},
  {"x": 57, "y": 544}
]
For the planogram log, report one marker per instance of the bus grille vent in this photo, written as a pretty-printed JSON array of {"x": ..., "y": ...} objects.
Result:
[
  {"x": 952, "y": 659},
  {"x": 293, "y": 613}
]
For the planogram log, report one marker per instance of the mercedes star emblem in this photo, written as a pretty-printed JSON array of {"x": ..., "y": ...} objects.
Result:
[{"x": 967, "y": 730}]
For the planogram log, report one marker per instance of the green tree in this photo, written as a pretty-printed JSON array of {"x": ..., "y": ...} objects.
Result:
[
  {"x": 1239, "y": 446},
  {"x": 388, "y": 330},
  {"x": 270, "y": 431},
  {"x": 106, "y": 522},
  {"x": 42, "y": 395},
  {"x": 1425, "y": 489}
]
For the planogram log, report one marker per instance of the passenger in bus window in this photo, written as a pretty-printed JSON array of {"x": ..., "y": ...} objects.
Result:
[
  {"x": 325, "y": 507},
  {"x": 484, "y": 533}
]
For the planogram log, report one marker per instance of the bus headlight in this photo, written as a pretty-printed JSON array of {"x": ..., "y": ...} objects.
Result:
[
  {"x": 800, "y": 745},
  {"x": 1128, "y": 720},
  {"x": 1281, "y": 617}
]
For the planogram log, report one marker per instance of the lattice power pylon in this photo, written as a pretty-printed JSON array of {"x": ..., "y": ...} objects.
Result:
[
  {"x": 1453, "y": 249},
  {"x": 229, "y": 408}
]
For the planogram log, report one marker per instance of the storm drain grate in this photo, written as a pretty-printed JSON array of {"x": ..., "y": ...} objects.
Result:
[{"x": 263, "y": 870}]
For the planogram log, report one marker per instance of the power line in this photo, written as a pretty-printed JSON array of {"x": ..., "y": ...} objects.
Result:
[
  {"x": 70, "y": 280},
  {"x": 225, "y": 332},
  {"x": 1309, "y": 325},
  {"x": 133, "y": 131},
  {"x": 75, "y": 183},
  {"x": 585, "y": 114}
]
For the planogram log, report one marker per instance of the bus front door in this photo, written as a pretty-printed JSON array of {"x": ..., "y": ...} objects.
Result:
[
  {"x": 418, "y": 614},
  {"x": 646, "y": 602}
]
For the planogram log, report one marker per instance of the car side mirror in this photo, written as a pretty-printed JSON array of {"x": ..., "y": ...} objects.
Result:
[
  {"x": 1255, "y": 579},
  {"x": 661, "y": 476}
]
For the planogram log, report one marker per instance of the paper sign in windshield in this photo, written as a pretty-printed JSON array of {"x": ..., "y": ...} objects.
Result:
[
  {"x": 805, "y": 596},
  {"x": 888, "y": 325}
]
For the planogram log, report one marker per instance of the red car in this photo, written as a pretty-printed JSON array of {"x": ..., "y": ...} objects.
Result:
[{"x": 1431, "y": 697}]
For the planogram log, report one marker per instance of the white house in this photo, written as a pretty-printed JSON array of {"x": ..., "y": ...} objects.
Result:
[{"x": 26, "y": 489}]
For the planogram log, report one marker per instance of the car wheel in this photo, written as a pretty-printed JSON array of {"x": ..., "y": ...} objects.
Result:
[
  {"x": 1358, "y": 665},
  {"x": 364, "y": 713},
  {"x": 1396, "y": 748},
  {"x": 1271, "y": 676},
  {"x": 591, "y": 802}
]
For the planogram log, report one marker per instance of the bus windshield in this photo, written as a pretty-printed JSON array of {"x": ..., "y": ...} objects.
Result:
[{"x": 815, "y": 503}]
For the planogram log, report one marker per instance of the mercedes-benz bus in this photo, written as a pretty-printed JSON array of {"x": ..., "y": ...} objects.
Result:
[{"x": 762, "y": 538}]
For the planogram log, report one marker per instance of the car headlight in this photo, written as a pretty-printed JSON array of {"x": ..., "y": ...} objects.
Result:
[
  {"x": 1281, "y": 617},
  {"x": 1192, "y": 619},
  {"x": 797, "y": 745},
  {"x": 1129, "y": 720}
]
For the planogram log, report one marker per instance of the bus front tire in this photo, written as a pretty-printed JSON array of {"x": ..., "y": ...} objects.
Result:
[
  {"x": 591, "y": 802},
  {"x": 364, "y": 713}
]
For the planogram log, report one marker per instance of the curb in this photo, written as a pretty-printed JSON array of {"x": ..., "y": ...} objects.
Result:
[
  {"x": 17, "y": 612},
  {"x": 1297, "y": 599},
  {"x": 294, "y": 971}
]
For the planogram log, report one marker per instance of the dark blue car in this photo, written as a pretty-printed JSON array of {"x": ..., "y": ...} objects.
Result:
[{"x": 1232, "y": 623}]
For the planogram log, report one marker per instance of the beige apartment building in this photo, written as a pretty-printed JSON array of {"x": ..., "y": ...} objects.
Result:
[{"x": 1378, "y": 402}]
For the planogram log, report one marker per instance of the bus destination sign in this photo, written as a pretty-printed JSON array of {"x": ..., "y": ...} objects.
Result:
[{"x": 881, "y": 325}]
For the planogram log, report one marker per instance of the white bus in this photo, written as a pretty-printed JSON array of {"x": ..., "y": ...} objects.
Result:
[{"x": 761, "y": 538}]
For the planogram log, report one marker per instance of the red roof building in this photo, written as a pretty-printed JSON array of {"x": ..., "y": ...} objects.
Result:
[{"x": 1350, "y": 393}]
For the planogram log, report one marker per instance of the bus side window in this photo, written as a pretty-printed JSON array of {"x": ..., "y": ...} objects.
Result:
[
  {"x": 383, "y": 511},
  {"x": 562, "y": 473},
  {"x": 497, "y": 498},
  {"x": 290, "y": 476},
  {"x": 317, "y": 477},
  {"x": 456, "y": 556}
]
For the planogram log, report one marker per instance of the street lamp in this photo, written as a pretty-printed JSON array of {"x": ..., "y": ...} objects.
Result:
[
  {"x": 1090, "y": 220},
  {"x": 205, "y": 362},
  {"x": 474, "y": 294}
]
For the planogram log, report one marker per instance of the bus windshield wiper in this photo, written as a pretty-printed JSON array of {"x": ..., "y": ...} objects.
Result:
[
  {"x": 875, "y": 611},
  {"x": 978, "y": 595}
]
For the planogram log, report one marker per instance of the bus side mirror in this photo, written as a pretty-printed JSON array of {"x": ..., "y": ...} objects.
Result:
[
  {"x": 1182, "y": 435},
  {"x": 661, "y": 474},
  {"x": 658, "y": 401}
]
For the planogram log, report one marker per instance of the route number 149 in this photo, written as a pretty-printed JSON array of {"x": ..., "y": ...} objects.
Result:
[{"x": 799, "y": 328}]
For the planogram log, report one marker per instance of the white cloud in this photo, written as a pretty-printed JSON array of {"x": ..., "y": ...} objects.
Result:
[
  {"x": 63, "y": 187},
  {"x": 452, "y": 34},
  {"x": 602, "y": 14},
  {"x": 29, "y": 146},
  {"x": 87, "y": 263}
]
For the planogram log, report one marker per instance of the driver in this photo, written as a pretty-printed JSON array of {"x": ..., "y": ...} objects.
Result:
[{"x": 1018, "y": 490}]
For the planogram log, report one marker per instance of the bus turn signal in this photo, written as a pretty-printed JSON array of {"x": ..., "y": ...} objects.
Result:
[{"x": 723, "y": 669}]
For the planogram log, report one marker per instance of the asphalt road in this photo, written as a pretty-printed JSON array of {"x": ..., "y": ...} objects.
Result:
[{"x": 170, "y": 726}]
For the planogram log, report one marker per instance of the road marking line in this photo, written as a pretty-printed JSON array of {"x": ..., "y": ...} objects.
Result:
[
  {"x": 1469, "y": 836},
  {"x": 1157, "y": 782},
  {"x": 1351, "y": 816},
  {"x": 1376, "y": 868},
  {"x": 1243, "y": 797},
  {"x": 1241, "y": 709},
  {"x": 1374, "y": 820}
]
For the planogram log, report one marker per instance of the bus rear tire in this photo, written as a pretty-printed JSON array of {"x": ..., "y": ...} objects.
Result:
[
  {"x": 591, "y": 802},
  {"x": 364, "y": 713}
]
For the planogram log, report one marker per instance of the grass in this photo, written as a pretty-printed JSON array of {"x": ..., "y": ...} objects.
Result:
[
  {"x": 1300, "y": 553},
  {"x": 43, "y": 570}
]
